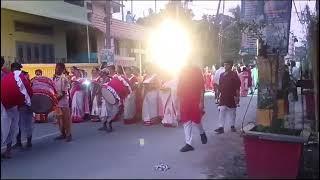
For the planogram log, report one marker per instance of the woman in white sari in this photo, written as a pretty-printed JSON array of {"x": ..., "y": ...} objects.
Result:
[
  {"x": 152, "y": 107},
  {"x": 170, "y": 103},
  {"x": 77, "y": 96}
]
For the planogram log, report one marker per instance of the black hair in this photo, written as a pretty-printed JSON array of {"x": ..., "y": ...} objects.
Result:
[
  {"x": 16, "y": 66},
  {"x": 113, "y": 67},
  {"x": 61, "y": 65},
  {"x": 38, "y": 70},
  {"x": 120, "y": 70}
]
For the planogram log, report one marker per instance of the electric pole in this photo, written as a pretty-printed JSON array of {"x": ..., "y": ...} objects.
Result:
[
  {"x": 122, "y": 13},
  {"x": 108, "y": 25},
  {"x": 132, "y": 7},
  {"x": 219, "y": 33}
]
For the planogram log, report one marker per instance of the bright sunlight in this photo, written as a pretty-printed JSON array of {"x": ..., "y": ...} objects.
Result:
[{"x": 169, "y": 46}]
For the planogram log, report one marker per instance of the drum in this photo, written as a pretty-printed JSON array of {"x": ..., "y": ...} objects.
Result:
[
  {"x": 108, "y": 95},
  {"x": 43, "y": 99},
  {"x": 116, "y": 90}
]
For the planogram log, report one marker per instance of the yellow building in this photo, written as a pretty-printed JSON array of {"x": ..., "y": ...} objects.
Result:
[{"x": 41, "y": 33}]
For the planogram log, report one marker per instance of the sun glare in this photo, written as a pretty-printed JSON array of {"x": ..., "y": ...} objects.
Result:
[{"x": 169, "y": 46}]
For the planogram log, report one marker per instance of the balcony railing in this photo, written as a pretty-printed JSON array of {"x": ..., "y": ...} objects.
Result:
[{"x": 78, "y": 58}]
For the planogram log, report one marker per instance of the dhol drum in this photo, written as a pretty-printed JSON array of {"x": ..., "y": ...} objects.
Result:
[
  {"x": 116, "y": 90},
  {"x": 43, "y": 99}
]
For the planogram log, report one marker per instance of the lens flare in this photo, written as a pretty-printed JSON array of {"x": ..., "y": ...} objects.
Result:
[{"x": 169, "y": 46}]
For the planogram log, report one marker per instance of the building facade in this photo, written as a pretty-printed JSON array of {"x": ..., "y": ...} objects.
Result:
[{"x": 39, "y": 34}]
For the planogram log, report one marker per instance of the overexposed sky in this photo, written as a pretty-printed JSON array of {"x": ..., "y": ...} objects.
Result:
[{"x": 140, "y": 9}]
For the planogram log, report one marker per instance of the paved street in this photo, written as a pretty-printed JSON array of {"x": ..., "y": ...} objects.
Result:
[{"x": 95, "y": 154}]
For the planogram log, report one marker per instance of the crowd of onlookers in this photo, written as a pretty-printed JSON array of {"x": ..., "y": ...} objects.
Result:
[{"x": 248, "y": 75}]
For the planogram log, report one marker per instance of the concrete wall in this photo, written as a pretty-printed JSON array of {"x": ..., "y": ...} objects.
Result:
[
  {"x": 55, "y": 9},
  {"x": 9, "y": 36}
]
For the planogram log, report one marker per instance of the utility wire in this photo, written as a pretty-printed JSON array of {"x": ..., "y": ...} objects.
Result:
[{"x": 297, "y": 11}]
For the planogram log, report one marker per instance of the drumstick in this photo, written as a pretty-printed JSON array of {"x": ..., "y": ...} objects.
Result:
[{"x": 123, "y": 71}]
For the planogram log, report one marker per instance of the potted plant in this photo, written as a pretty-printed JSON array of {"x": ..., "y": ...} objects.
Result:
[{"x": 272, "y": 150}]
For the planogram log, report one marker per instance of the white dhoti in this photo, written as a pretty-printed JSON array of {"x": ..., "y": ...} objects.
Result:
[
  {"x": 9, "y": 124},
  {"x": 152, "y": 107},
  {"x": 228, "y": 114},
  {"x": 188, "y": 130},
  {"x": 109, "y": 111}
]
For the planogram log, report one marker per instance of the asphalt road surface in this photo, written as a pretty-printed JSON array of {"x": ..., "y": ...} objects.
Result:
[{"x": 96, "y": 154}]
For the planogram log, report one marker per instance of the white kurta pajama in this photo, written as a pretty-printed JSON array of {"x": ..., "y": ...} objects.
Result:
[
  {"x": 188, "y": 126},
  {"x": 227, "y": 114}
]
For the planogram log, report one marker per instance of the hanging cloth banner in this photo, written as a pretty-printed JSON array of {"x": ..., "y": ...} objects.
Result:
[{"x": 107, "y": 56}]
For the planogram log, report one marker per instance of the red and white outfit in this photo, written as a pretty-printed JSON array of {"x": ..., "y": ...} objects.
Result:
[
  {"x": 130, "y": 109},
  {"x": 77, "y": 100},
  {"x": 152, "y": 108},
  {"x": 208, "y": 81},
  {"x": 15, "y": 91},
  {"x": 171, "y": 104},
  {"x": 244, "y": 78},
  {"x": 190, "y": 90},
  {"x": 97, "y": 98},
  {"x": 120, "y": 88}
]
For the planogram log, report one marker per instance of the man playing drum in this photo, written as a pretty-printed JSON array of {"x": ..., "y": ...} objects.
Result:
[
  {"x": 63, "y": 110},
  {"x": 39, "y": 117},
  {"x": 15, "y": 92},
  {"x": 114, "y": 92}
]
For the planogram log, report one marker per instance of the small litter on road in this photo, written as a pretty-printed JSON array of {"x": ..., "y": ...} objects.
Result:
[
  {"x": 141, "y": 142},
  {"x": 161, "y": 167}
]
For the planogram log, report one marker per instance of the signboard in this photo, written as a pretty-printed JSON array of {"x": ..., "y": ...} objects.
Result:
[
  {"x": 277, "y": 16},
  {"x": 106, "y": 55}
]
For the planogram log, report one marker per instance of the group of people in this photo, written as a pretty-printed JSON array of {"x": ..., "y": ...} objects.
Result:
[
  {"x": 248, "y": 76},
  {"x": 115, "y": 93}
]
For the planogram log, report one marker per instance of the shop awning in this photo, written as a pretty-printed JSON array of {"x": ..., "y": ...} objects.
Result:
[{"x": 59, "y": 10}]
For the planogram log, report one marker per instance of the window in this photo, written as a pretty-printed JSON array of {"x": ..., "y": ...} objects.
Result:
[
  {"x": 116, "y": 47},
  {"x": 89, "y": 5},
  {"x": 33, "y": 28},
  {"x": 51, "y": 53},
  {"x": 28, "y": 52},
  {"x": 44, "y": 52},
  {"x": 36, "y": 52},
  {"x": 20, "y": 52},
  {"x": 75, "y": 2}
]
